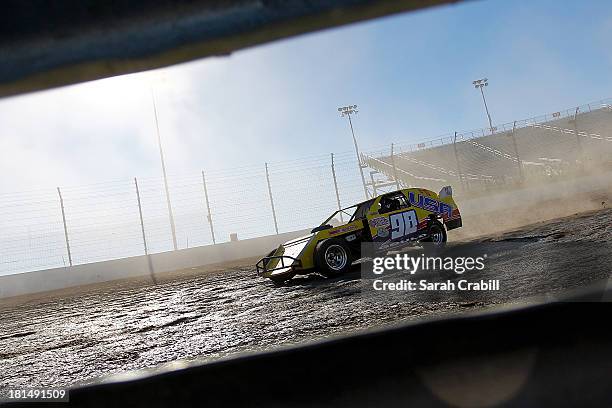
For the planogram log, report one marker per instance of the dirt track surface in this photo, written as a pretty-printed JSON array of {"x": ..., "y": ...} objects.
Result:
[{"x": 71, "y": 339}]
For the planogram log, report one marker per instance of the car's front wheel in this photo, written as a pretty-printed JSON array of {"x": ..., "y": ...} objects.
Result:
[{"x": 333, "y": 257}]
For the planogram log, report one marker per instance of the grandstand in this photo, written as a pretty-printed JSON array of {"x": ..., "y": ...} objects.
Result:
[{"x": 530, "y": 151}]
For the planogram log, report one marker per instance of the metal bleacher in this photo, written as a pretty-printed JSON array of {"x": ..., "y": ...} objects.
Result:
[{"x": 531, "y": 150}]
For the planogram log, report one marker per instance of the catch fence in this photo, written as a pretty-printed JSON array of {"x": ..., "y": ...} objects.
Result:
[{"x": 73, "y": 225}]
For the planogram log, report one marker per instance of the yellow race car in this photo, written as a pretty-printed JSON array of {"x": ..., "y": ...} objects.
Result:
[{"x": 389, "y": 220}]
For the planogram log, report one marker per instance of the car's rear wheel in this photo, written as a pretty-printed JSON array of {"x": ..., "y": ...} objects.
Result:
[
  {"x": 333, "y": 257},
  {"x": 436, "y": 238},
  {"x": 437, "y": 233}
]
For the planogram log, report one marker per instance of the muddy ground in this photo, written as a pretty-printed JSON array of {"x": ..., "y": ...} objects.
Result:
[{"x": 69, "y": 338}]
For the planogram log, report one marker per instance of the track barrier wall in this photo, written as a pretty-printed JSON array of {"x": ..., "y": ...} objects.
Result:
[{"x": 138, "y": 266}]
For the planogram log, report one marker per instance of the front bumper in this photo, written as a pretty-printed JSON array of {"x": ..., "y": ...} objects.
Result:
[{"x": 262, "y": 264}]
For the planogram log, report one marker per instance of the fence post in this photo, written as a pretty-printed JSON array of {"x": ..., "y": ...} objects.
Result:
[
  {"x": 580, "y": 151},
  {"x": 459, "y": 174},
  {"x": 374, "y": 191},
  {"x": 65, "y": 227},
  {"x": 142, "y": 228},
  {"x": 397, "y": 185},
  {"x": 333, "y": 169},
  {"x": 209, "y": 216},
  {"x": 516, "y": 153},
  {"x": 271, "y": 199},
  {"x": 144, "y": 237}
]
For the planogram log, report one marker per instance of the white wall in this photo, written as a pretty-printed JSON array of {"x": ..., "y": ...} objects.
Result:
[{"x": 60, "y": 278}]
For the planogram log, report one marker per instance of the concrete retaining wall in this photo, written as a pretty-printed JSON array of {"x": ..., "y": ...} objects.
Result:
[{"x": 60, "y": 278}]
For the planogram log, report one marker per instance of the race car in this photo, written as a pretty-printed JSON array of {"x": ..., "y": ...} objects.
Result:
[{"x": 390, "y": 221}]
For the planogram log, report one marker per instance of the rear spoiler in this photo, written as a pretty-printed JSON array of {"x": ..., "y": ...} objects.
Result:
[
  {"x": 455, "y": 222},
  {"x": 446, "y": 192}
]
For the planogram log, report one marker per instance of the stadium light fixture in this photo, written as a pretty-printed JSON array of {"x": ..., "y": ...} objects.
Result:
[
  {"x": 348, "y": 111},
  {"x": 479, "y": 84}
]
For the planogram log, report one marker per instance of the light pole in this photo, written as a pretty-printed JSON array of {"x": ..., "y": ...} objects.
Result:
[
  {"x": 161, "y": 155},
  {"x": 459, "y": 175},
  {"x": 480, "y": 83},
  {"x": 347, "y": 111}
]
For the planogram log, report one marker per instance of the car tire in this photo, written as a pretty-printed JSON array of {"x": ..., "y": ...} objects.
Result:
[
  {"x": 435, "y": 242},
  {"x": 333, "y": 257}
]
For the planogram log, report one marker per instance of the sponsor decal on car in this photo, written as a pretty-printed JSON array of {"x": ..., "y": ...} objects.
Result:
[
  {"x": 379, "y": 222},
  {"x": 430, "y": 204},
  {"x": 342, "y": 230},
  {"x": 383, "y": 232}
]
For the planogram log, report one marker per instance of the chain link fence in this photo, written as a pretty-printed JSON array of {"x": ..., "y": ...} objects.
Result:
[{"x": 82, "y": 224}]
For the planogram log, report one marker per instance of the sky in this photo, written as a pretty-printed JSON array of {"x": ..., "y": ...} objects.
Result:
[{"x": 410, "y": 75}]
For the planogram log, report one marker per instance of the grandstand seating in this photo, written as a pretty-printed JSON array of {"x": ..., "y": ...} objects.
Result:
[{"x": 545, "y": 150}]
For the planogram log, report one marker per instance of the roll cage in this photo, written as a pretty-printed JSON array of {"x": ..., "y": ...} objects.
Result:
[
  {"x": 360, "y": 211},
  {"x": 362, "y": 208}
]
